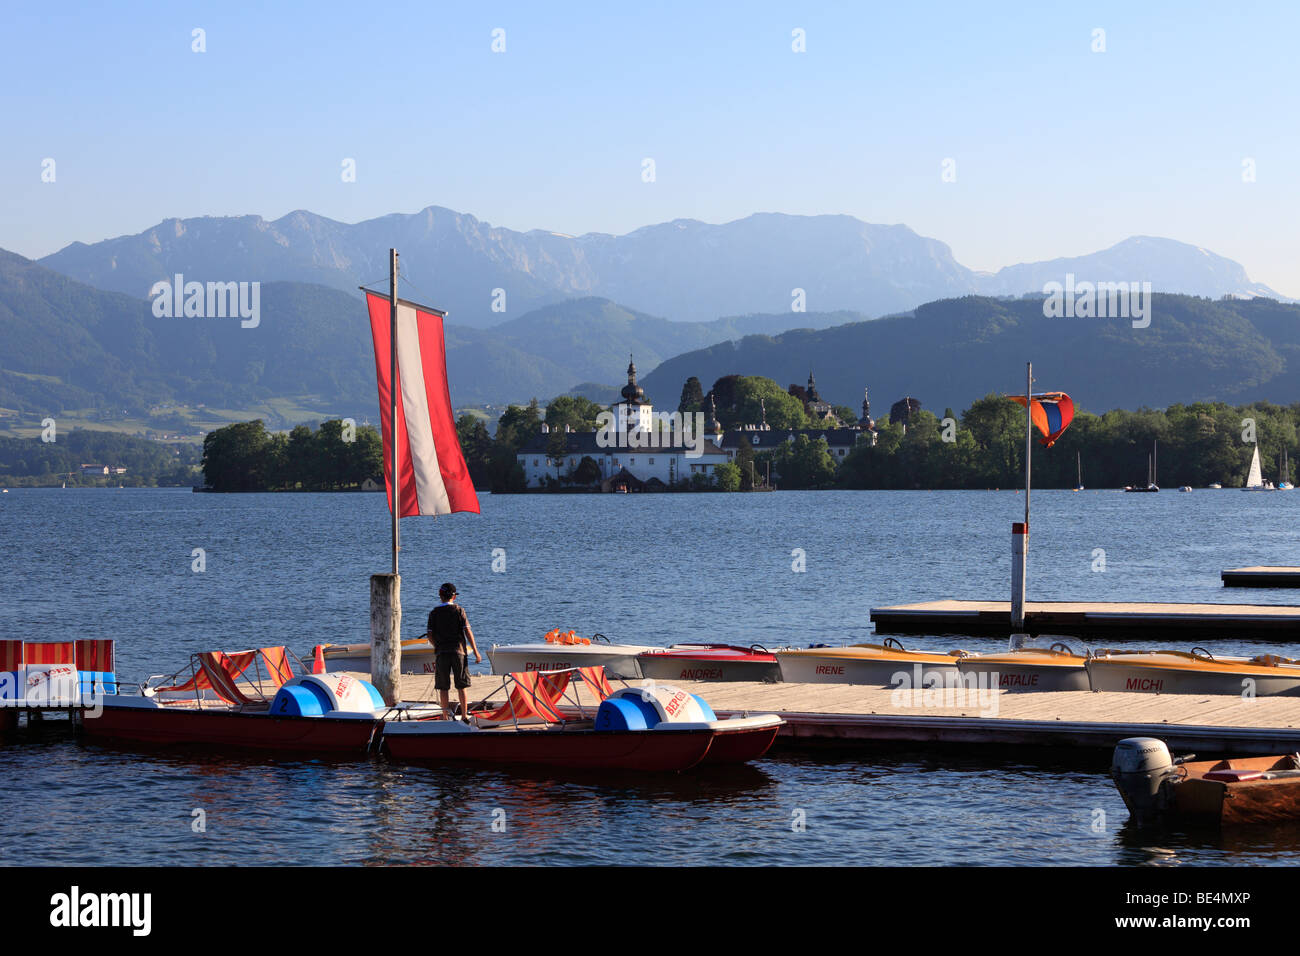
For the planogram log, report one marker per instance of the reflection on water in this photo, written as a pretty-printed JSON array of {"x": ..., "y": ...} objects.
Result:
[{"x": 293, "y": 569}]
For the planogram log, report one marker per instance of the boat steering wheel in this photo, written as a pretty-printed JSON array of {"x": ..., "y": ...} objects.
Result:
[
  {"x": 600, "y": 637},
  {"x": 891, "y": 642}
]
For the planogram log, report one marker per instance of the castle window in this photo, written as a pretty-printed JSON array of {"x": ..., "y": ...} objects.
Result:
[{"x": 652, "y": 461}]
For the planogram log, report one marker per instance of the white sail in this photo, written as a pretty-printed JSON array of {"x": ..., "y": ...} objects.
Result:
[{"x": 1256, "y": 478}]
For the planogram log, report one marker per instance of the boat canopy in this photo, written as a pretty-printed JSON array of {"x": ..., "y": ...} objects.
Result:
[
  {"x": 537, "y": 694},
  {"x": 220, "y": 672}
]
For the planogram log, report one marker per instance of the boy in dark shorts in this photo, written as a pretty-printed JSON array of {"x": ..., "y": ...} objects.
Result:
[{"x": 448, "y": 631}]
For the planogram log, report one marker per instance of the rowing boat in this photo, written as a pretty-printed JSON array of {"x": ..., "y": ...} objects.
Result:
[
  {"x": 1238, "y": 790},
  {"x": 884, "y": 665},
  {"x": 1028, "y": 668},
  {"x": 1192, "y": 672},
  {"x": 709, "y": 662}
]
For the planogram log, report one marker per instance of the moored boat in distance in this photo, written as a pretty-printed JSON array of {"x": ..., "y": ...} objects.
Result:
[
  {"x": 560, "y": 651},
  {"x": 1193, "y": 672},
  {"x": 655, "y": 728},
  {"x": 710, "y": 662},
  {"x": 1029, "y": 668},
  {"x": 1255, "y": 477},
  {"x": 883, "y": 665},
  {"x": 1239, "y": 790}
]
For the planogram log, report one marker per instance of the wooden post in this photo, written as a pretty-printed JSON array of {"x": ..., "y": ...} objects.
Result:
[
  {"x": 1020, "y": 532},
  {"x": 385, "y": 634},
  {"x": 1019, "y": 550}
]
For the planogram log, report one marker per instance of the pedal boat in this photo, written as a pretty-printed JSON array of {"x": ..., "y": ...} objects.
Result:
[
  {"x": 543, "y": 723},
  {"x": 1238, "y": 790},
  {"x": 710, "y": 662},
  {"x": 563, "y": 651},
  {"x": 1028, "y": 669},
  {"x": 885, "y": 665},
  {"x": 1193, "y": 672},
  {"x": 223, "y": 704}
]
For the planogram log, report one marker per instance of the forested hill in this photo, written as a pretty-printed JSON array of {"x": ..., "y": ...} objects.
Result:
[{"x": 950, "y": 352}]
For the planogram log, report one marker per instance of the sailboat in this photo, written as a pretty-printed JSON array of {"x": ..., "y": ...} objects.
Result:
[
  {"x": 1255, "y": 478},
  {"x": 1151, "y": 473},
  {"x": 1285, "y": 483},
  {"x": 1078, "y": 462}
]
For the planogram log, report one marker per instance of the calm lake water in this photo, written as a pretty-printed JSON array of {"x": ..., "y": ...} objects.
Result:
[{"x": 657, "y": 569}]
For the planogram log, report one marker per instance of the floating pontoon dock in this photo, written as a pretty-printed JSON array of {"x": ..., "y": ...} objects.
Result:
[
  {"x": 821, "y": 715},
  {"x": 1261, "y": 577},
  {"x": 1111, "y": 620}
]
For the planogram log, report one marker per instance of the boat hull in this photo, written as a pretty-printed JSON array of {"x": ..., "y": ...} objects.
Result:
[
  {"x": 619, "y": 660},
  {"x": 1013, "y": 673},
  {"x": 230, "y": 729},
  {"x": 860, "y": 666},
  {"x": 741, "y": 745},
  {"x": 417, "y": 658},
  {"x": 1128, "y": 676},
  {"x": 671, "y": 666},
  {"x": 651, "y": 750}
]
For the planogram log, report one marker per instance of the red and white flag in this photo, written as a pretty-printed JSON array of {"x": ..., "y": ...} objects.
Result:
[{"x": 434, "y": 479}]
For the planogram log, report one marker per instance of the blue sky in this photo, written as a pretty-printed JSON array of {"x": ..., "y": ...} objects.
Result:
[{"x": 1058, "y": 150}]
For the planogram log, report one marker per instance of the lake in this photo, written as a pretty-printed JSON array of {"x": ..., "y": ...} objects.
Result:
[{"x": 657, "y": 569}]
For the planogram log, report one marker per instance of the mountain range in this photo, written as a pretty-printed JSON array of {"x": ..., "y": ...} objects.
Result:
[
  {"x": 684, "y": 270},
  {"x": 76, "y": 331},
  {"x": 950, "y": 352}
]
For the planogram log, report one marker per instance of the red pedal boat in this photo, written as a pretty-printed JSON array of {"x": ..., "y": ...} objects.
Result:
[
  {"x": 714, "y": 662},
  {"x": 657, "y": 728},
  {"x": 222, "y": 704}
]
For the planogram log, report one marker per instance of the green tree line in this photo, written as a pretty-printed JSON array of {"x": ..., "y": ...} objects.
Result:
[{"x": 335, "y": 457}]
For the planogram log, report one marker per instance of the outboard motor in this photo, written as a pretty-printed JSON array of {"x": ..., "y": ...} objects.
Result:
[{"x": 1140, "y": 768}]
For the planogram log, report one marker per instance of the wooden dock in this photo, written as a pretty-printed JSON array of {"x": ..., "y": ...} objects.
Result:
[
  {"x": 1261, "y": 577},
  {"x": 852, "y": 715},
  {"x": 1101, "y": 619}
]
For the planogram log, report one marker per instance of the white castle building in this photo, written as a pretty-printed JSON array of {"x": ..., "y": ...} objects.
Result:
[{"x": 636, "y": 452}]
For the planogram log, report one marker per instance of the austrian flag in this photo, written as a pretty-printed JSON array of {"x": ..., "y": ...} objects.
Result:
[{"x": 434, "y": 479}]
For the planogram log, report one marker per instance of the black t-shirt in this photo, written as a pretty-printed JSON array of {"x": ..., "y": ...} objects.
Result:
[{"x": 447, "y": 624}]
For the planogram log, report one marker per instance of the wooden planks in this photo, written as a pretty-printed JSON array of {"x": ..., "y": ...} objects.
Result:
[
  {"x": 1260, "y": 576},
  {"x": 821, "y": 714},
  {"x": 1112, "y": 620}
]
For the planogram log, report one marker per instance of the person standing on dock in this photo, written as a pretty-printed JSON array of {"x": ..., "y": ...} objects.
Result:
[{"x": 449, "y": 631}]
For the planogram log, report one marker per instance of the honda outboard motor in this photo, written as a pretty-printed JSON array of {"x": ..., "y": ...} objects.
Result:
[{"x": 1140, "y": 767}]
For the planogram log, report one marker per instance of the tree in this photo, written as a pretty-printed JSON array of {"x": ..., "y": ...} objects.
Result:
[
  {"x": 692, "y": 399},
  {"x": 587, "y": 472},
  {"x": 804, "y": 463},
  {"x": 727, "y": 477},
  {"x": 234, "y": 457},
  {"x": 577, "y": 412},
  {"x": 744, "y": 399},
  {"x": 517, "y": 424}
]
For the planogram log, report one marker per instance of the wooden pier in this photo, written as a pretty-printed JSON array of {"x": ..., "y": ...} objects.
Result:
[
  {"x": 1261, "y": 577},
  {"x": 1099, "y": 619},
  {"x": 856, "y": 716}
]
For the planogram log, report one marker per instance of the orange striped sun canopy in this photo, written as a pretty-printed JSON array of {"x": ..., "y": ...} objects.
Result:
[
  {"x": 1051, "y": 412},
  {"x": 530, "y": 696},
  {"x": 597, "y": 683},
  {"x": 11, "y": 655},
  {"x": 57, "y": 652},
  {"x": 220, "y": 672}
]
